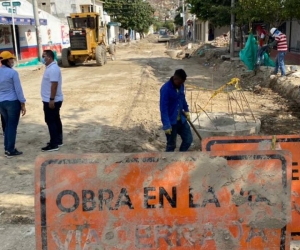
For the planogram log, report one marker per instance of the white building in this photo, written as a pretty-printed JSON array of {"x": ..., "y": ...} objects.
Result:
[
  {"x": 62, "y": 9},
  {"x": 26, "y": 41}
]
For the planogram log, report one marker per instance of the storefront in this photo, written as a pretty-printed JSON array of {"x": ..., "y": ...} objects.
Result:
[{"x": 25, "y": 35}]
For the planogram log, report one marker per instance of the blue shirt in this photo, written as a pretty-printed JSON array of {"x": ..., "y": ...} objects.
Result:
[
  {"x": 171, "y": 102},
  {"x": 10, "y": 85},
  {"x": 52, "y": 74}
]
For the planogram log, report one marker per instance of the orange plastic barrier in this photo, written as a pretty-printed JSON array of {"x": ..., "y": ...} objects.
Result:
[
  {"x": 279, "y": 142},
  {"x": 216, "y": 200}
]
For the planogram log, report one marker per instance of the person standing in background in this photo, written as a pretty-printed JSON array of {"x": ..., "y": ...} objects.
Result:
[
  {"x": 282, "y": 47},
  {"x": 52, "y": 97},
  {"x": 12, "y": 102},
  {"x": 261, "y": 33}
]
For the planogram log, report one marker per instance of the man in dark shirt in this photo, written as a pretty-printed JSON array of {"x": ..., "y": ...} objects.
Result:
[{"x": 175, "y": 112}]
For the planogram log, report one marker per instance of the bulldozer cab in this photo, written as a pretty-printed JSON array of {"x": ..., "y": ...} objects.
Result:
[{"x": 85, "y": 31}]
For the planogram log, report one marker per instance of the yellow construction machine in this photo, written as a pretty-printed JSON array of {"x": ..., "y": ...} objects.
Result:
[{"x": 87, "y": 40}]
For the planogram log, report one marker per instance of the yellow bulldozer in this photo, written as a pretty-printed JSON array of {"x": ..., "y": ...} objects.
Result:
[{"x": 87, "y": 40}]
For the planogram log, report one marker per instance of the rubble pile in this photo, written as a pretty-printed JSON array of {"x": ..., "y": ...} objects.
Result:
[{"x": 222, "y": 41}]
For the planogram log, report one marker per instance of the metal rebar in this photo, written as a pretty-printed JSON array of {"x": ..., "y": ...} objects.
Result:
[
  {"x": 207, "y": 116},
  {"x": 198, "y": 116},
  {"x": 241, "y": 101},
  {"x": 238, "y": 105},
  {"x": 248, "y": 105},
  {"x": 231, "y": 110}
]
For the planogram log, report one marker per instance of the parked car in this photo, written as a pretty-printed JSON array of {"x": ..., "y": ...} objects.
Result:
[{"x": 163, "y": 35}]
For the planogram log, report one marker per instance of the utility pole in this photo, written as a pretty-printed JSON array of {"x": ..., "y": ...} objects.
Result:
[
  {"x": 232, "y": 30},
  {"x": 37, "y": 28},
  {"x": 183, "y": 18},
  {"x": 14, "y": 30},
  {"x": 194, "y": 19}
]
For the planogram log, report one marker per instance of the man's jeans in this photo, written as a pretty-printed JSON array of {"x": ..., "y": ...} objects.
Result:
[
  {"x": 280, "y": 63},
  {"x": 52, "y": 118},
  {"x": 10, "y": 110},
  {"x": 184, "y": 130}
]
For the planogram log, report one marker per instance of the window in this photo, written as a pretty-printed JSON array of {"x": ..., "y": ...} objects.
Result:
[{"x": 83, "y": 22}]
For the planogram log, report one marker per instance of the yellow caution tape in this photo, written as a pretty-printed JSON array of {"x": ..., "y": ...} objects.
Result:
[{"x": 234, "y": 81}]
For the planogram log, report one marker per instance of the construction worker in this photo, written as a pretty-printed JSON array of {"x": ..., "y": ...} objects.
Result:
[
  {"x": 282, "y": 47},
  {"x": 261, "y": 33},
  {"x": 175, "y": 112}
]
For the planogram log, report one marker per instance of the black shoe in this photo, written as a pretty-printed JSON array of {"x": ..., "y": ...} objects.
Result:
[
  {"x": 50, "y": 148},
  {"x": 59, "y": 144},
  {"x": 12, "y": 154}
]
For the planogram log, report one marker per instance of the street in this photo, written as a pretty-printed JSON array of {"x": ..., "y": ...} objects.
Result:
[{"x": 112, "y": 109}]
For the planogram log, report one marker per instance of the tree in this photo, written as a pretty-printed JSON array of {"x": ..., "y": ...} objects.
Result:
[
  {"x": 178, "y": 20},
  {"x": 274, "y": 12},
  {"x": 217, "y": 12},
  {"x": 136, "y": 15}
]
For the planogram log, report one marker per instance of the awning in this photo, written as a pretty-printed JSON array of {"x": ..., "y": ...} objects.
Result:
[
  {"x": 113, "y": 24},
  {"x": 20, "y": 20}
]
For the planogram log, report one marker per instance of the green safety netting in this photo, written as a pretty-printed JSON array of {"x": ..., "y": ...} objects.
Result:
[
  {"x": 35, "y": 61},
  {"x": 268, "y": 61},
  {"x": 248, "y": 55}
]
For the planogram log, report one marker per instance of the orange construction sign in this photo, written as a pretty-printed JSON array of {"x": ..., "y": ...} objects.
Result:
[
  {"x": 217, "y": 200},
  {"x": 279, "y": 142}
]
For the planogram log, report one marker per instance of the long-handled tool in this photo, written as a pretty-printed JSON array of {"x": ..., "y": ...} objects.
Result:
[{"x": 195, "y": 130}]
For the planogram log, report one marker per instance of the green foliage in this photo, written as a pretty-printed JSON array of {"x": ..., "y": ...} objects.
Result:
[
  {"x": 216, "y": 12},
  {"x": 178, "y": 20},
  {"x": 168, "y": 24},
  {"x": 274, "y": 12},
  {"x": 157, "y": 24},
  {"x": 136, "y": 15}
]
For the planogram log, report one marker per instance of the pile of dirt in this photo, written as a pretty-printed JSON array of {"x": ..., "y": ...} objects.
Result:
[
  {"x": 149, "y": 39},
  {"x": 200, "y": 51},
  {"x": 222, "y": 41}
]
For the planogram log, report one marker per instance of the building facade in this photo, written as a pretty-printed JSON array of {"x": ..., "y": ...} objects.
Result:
[{"x": 26, "y": 41}]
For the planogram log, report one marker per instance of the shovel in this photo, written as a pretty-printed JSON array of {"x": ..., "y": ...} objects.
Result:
[{"x": 195, "y": 130}]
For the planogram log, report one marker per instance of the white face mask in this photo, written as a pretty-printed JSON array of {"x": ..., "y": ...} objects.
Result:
[
  {"x": 43, "y": 60},
  {"x": 12, "y": 63}
]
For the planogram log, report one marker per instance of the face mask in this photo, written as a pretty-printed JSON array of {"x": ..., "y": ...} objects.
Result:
[
  {"x": 11, "y": 63},
  {"x": 43, "y": 60}
]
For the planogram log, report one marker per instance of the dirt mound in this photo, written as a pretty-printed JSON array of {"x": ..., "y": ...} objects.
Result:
[{"x": 150, "y": 39}]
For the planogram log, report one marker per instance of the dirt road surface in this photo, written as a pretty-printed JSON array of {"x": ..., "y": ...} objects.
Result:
[{"x": 112, "y": 109}]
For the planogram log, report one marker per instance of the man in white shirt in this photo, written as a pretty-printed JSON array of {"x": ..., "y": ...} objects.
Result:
[{"x": 52, "y": 96}]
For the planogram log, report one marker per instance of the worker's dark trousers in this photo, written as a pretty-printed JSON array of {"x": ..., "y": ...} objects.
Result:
[
  {"x": 52, "y": 118},
  {"x": 184, "y": 130}
]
